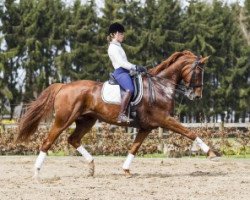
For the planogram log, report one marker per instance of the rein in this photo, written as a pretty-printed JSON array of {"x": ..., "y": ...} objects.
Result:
[
  {"x": 181, "y": 88},
  {"x": 150, "y": 88}
]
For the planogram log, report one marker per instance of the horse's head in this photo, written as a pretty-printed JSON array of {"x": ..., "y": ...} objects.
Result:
[
  {"x": 183, "y": 66},
  {"x": 192, "y": 75}
]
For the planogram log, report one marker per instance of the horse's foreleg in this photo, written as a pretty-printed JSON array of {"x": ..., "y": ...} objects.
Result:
[
  {"x": 142, "y": 134},
  {"x": 83, "y": 125},
  {"x": 172, "y": 124}
]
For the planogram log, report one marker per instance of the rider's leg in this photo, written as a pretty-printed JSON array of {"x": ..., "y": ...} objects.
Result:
[
  {"x": 124, "y": 105},
  {"x": 125, "y": 81}
]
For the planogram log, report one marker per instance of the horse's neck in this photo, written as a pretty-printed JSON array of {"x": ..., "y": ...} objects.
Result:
[{"x": 170, "y": 73}]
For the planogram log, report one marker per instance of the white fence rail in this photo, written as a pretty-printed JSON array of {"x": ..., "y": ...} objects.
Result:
[{"x": 217, "y": 125}]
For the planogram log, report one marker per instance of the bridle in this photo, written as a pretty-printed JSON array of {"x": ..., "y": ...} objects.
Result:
[
  {"x": 186, "y": 88},
  {"x": 194, "y": 66}
]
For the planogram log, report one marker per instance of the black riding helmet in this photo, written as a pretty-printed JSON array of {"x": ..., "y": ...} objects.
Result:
[{"x": 116, "y": 27}]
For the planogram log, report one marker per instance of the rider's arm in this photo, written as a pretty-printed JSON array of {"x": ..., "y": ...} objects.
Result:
[{"x": 118, "y": 58}]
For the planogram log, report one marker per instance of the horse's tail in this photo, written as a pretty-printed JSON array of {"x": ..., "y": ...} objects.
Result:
[{"x": 39, "y": 109}]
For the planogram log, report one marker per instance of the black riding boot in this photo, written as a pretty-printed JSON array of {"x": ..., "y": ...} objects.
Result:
[{"x": 124, "y": 105}]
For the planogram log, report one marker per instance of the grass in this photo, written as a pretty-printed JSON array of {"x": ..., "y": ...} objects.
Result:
[{"x": 58, "y": 153}]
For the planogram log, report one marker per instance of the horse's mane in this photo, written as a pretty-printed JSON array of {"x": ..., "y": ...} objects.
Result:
[{"x": 173, "y": 58}]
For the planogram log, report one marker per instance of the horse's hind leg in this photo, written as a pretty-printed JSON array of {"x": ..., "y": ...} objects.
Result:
[
  {"x": 83, "y": 125},
  {"x": 53, "y": 134},
  {"x": 62, "y": 121}
]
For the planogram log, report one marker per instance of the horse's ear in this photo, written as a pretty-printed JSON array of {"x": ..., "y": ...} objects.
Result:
[{"x": 204, "y": 60}]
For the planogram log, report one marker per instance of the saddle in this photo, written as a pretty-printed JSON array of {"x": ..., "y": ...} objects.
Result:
[
  {"x": 111, "y": 92},
  {"x": 136, "y": 83}
]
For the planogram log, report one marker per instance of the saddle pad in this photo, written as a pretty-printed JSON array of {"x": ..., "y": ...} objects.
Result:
[{"x": 111, "y": 93}]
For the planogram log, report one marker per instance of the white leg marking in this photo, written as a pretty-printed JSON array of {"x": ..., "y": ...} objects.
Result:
[
  {"x": 202, "y": 145},
  {"x": 128, "y": 161},
  {"x": 85, "y": 153},
  {"x": 40, "y": 159},
  {"x": 38, "y": 164}
]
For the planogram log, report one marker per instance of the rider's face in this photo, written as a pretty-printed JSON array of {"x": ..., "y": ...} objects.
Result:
[{"x": 119, "y": 37}]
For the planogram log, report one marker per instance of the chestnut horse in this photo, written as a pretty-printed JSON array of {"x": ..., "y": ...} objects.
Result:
[{"x": 81, "y": 102}]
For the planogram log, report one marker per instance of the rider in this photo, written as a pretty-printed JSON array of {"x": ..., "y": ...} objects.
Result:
[{"x": 122, "y": 67}]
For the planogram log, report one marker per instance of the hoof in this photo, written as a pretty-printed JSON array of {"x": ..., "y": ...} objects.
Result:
[
  {"x": 127, "y": 173},
  {"x": 91, "y": 169},
  {"x": 36, "y": 177},
  {"x": 212, "y": 156},
  {"x": 215, "y": 159}
]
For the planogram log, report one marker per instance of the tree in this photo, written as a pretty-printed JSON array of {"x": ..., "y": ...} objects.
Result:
[
  {"x": 44, "y": 29},
  {"x": 195, "y": 28},
  {"x": 159, "y": 31},
  {"x": 233, "y": 71},
  {"x": 196, "y": 34},
  {"x": 9, "y": 54},
  {"x": 80, "y": 61},
  {"x": 49, "y": 41},
  {"x": 247, "y": 14}
]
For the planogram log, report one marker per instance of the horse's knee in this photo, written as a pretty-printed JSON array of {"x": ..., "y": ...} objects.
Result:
[{"x": 191, "y": 135}]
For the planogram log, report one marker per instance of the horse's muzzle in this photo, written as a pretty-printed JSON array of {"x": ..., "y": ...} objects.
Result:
[
  {"x": 197, "y": 97},
  {"x": 193, "y": 96},
  {"x": 197, "y": 93}
]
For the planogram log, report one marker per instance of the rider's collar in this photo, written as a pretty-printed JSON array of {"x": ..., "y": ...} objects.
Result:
[{"x": 115, "y": 43}]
